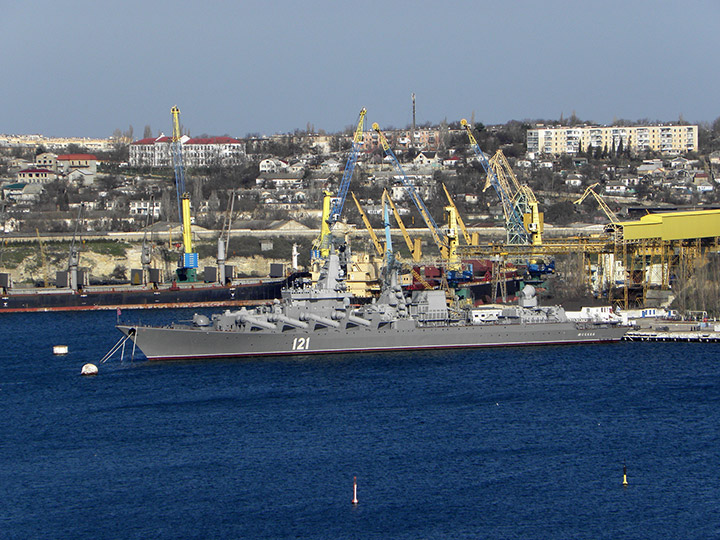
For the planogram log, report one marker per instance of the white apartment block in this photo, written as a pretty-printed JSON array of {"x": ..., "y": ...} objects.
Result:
[
  {"x": 197, "y": 152},
  {"x": 667, "y": 139}
]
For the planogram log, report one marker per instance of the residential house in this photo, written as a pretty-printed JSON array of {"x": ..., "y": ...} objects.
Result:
[
  {"x": 574, "y": 180},
  {"x": 680, "y": 163},
  {"x": 70, "y": 162},
  {"x": 30, "y": 194},
  {"x": 272, "y": 165},
  {"x": 296, "y": 168},
  {"x": 615, "y": 187},
  {"x": 331, "y": 165},
  {"x": 11, "y": 192},
  {"x": 425, "y": 158},
  {"x": 280, "y": 180},
  {"x": 81, "y": 177},
  {"x": 651, "y": 167},
  {"x": 36, "y": 176},
  {"x": 46, "y": 160},
  {"x": 715, "y": 158},
  {"x": 143, "y": 208},
  {"x": 452, "y": 162}
]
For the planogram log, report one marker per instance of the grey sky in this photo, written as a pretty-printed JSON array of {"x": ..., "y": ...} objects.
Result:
[{"x": 85, "y": 68}]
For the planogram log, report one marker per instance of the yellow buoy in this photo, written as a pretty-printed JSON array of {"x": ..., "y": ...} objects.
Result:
[{"x": 625, "y": 482}]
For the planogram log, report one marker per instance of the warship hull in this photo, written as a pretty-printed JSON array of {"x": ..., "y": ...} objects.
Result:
[{"x": 179, "y": 342}]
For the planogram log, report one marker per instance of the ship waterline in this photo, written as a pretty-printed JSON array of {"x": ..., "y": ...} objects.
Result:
[{"x": 186, "y": 342}]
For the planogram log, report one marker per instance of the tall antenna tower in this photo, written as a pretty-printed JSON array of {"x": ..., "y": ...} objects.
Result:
[{"x": 413, "y": 103}]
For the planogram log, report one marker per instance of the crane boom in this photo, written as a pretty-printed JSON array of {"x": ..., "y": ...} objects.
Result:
[
  {"x": 601, "y": 202},
  {"x": 357, "y": 143},
  {"x": 516, "y": 233},
  {"x": 333, "y": 206},
  {"x": 189, "y": 263},
  {"x": 435, "y": 231},
  {"x": 458, "y": 218},
  {"x": 366, "y": 221},
  {"x": 413, "y": 247},
  {"x": 177, "y": 156},
  {"x": 523, "y": 200}
]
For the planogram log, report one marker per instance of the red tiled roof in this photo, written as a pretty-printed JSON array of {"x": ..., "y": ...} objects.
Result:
[
  {"x": 36, "y": 171},
  {"x": 213, "y": 140},
  {"x": 152, "y": 140},
  {"x": 76, "y": 157}
]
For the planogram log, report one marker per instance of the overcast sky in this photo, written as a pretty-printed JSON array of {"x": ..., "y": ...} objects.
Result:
[{"x": 86, "y": 68}]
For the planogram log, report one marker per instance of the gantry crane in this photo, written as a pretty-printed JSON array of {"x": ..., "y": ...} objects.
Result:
[
  {"x": 188, "y": 264},
  {"x": 333, "y": 206},
  {"x": 523, "y": 199},
  {"x": 601, "y": 202},
  {"x": 516, "y": 233}
]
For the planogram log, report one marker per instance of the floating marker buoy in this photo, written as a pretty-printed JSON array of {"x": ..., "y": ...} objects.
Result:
[
  {"x": 89, "y": 369},
  {"x": 355, "y": 499},
  {"x": 60, "y": 349},
  {"x": 625, "y": 483}
]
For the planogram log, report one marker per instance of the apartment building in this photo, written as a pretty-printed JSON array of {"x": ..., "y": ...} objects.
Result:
[{"x": 667, "y": 139}]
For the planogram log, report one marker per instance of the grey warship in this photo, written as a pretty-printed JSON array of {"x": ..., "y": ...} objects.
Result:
[{"x": 320, "y": 319}]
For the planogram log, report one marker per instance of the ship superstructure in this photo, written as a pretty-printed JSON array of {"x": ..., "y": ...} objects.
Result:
[{"x": 320, "y": 318}]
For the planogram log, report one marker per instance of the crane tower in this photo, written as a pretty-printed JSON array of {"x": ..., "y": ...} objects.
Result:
[{"x": 188, "y": 264}]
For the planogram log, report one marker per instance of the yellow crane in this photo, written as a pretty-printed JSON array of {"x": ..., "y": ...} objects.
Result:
[
  {"x": 470, "y": 239},
  {"x": 522, "y": 198},
  {"x": 415, "y": 247},
  {"x": 601, "y": 202},
  {"x": 371, "y": 231},
  {"x": 187, "y": 268}
]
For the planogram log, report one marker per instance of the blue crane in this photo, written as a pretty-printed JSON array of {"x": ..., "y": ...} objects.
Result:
[
  {"x": 435, "y": 231},
  {"x": 339, "y": 202},
  {"x": 333, "y": 206}
]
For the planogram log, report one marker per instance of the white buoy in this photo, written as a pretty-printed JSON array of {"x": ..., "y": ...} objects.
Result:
[
  {"x": 89, "y": 369},
  {"x": 60, "y": 349}
]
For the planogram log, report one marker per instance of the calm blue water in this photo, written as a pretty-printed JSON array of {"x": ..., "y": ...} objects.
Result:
[{"x": 503, "y": 443}]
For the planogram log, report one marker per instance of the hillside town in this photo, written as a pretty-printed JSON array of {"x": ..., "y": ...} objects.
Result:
[{"x": 127, "y": 185}]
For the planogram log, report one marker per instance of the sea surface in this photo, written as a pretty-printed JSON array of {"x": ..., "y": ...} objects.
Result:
[{"x": 493, "y": 443}]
